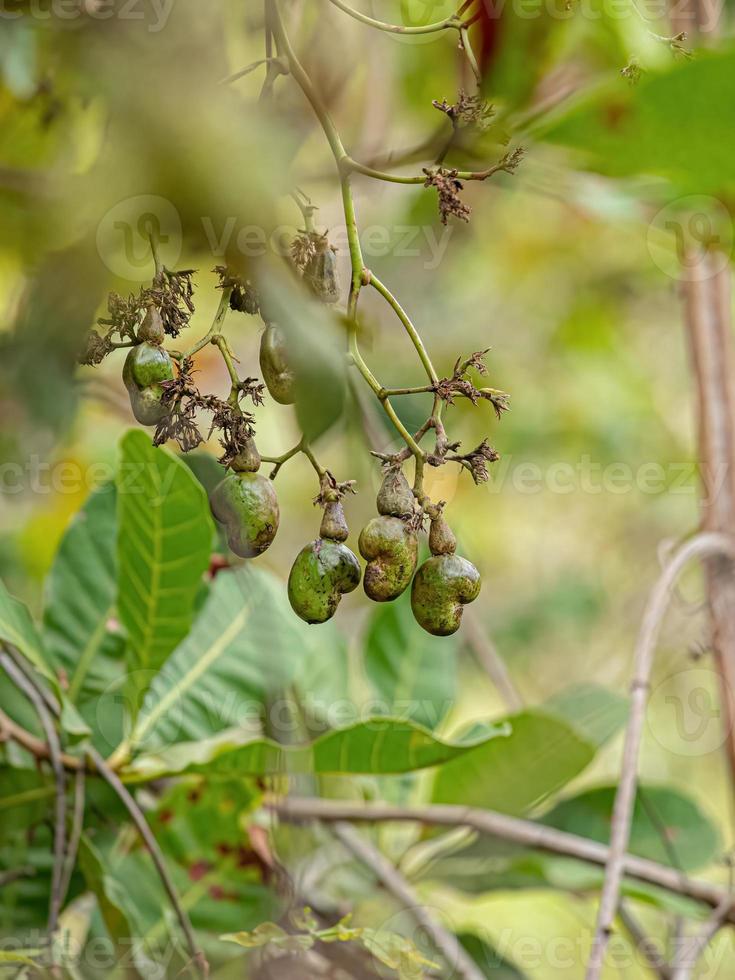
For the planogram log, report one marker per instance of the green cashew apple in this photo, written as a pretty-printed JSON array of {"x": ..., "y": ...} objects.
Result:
[
  {"x": 324, "y": 570},
  {"x": 146, "y": 366},
  {"x": 391, "y": 551},
  {"x": 246, "y": 504},
  {"x": 443, "y": 585},
  {"x": 277, "y": 374},
  {"x": 387, "y": 543}
]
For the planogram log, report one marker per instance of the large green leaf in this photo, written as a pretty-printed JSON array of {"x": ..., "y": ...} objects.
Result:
[
  {"x": 245, "y": 644},
  {"x": 164, "y": 537},
  {"x": 663, "y": 126},
  {"x": 667, "y": 826},
  {"x": 378, "y": 745},
  {"x": 514, "y": 774},
  {"x": 413, "y": 673},
  {"x": 80, "y": 598}
]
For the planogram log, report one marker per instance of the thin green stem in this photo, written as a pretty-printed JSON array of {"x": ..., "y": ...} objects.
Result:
[
  {"x": 306, "y": 208},
  {"x": 406, "y": 321},
  {"x": 222, "y": 345},
  {"x": 301, "y": 447},
  {"x": 464, "y": 40},
  {"x": 356, "y": 260},
  {"x": 156, "y": 256},
  {"x": 454, "y": 21},
  {"x": 229, "y": 79},
  {"x": 217, "y": 324},
  {"x": 351, "y": 164},
  {"x": 305, "y": 449},
  {"x": 418, "y": 390}
]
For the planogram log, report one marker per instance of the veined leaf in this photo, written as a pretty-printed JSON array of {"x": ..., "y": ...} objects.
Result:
[
  {"x": 379, "y": 746},
  {"x": 164, "y": 537},
  {"x": 80, "y": 599},
  {"x": 414, "y": 673},
  {"x": 245, "y": 643},
  {"x": 514, "y": 774}
]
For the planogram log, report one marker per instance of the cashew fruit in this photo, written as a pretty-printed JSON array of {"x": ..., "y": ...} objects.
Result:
[
  {"x": 391, "y": 551},
  {"x": 277, "y": 374},
  {"x": 246, "y": 504},
  {"x": 146, "y": 366},
  {"x": 386, "y": 542},
  {"x": 324, "y": 570},
  {"x": 395, "y": 497},
  {"x": 443, "y": 585}
]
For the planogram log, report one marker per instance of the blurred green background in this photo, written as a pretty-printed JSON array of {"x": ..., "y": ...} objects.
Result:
[{"x": 558, "y": 272}]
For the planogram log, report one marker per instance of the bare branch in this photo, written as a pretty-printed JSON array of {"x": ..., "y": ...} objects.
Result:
[
  {"x": 645, "y": 944},
  {"x": 701, "y": 546},
  {"x": 692, "y": 950},
  {"x": 75, "y": 835},
  {"x": 459, "y": 962},
  {"x": 488, "y": 656},
  {"x": 141, "y": 824},
  {"x": 499, "y": 825},
  {"x": 21, "y": 681}
]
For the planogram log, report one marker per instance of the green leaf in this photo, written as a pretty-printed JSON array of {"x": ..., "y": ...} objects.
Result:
[
  {"x": 164, "y": 537},
  {"x": 668, "y": 826},
  {"x": 513, "y": 775},
  {"x": 9, "y": 957},
  {"x": 315, "y": 338},
  {"x": 414, "y": 673},
  {"x": 111, "y": 896},
  {"x": 18, "y": 629},
  {"x": 25, "y": 799},
  {"x": 594, "y": 712},
  {"x": 663, "y": 126},
  {"x": 488, "y": 959},
  {"x": 378, "y": 745},
  {"x": 203, "y": 817},
  {"x": 80, "y": 599},
  {"x": 245, "y": 644}
]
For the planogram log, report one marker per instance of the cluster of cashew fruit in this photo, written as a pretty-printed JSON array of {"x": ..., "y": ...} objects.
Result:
[
  {"x": 326, "y": 569},
  {"x": 245, "y": 502}
]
